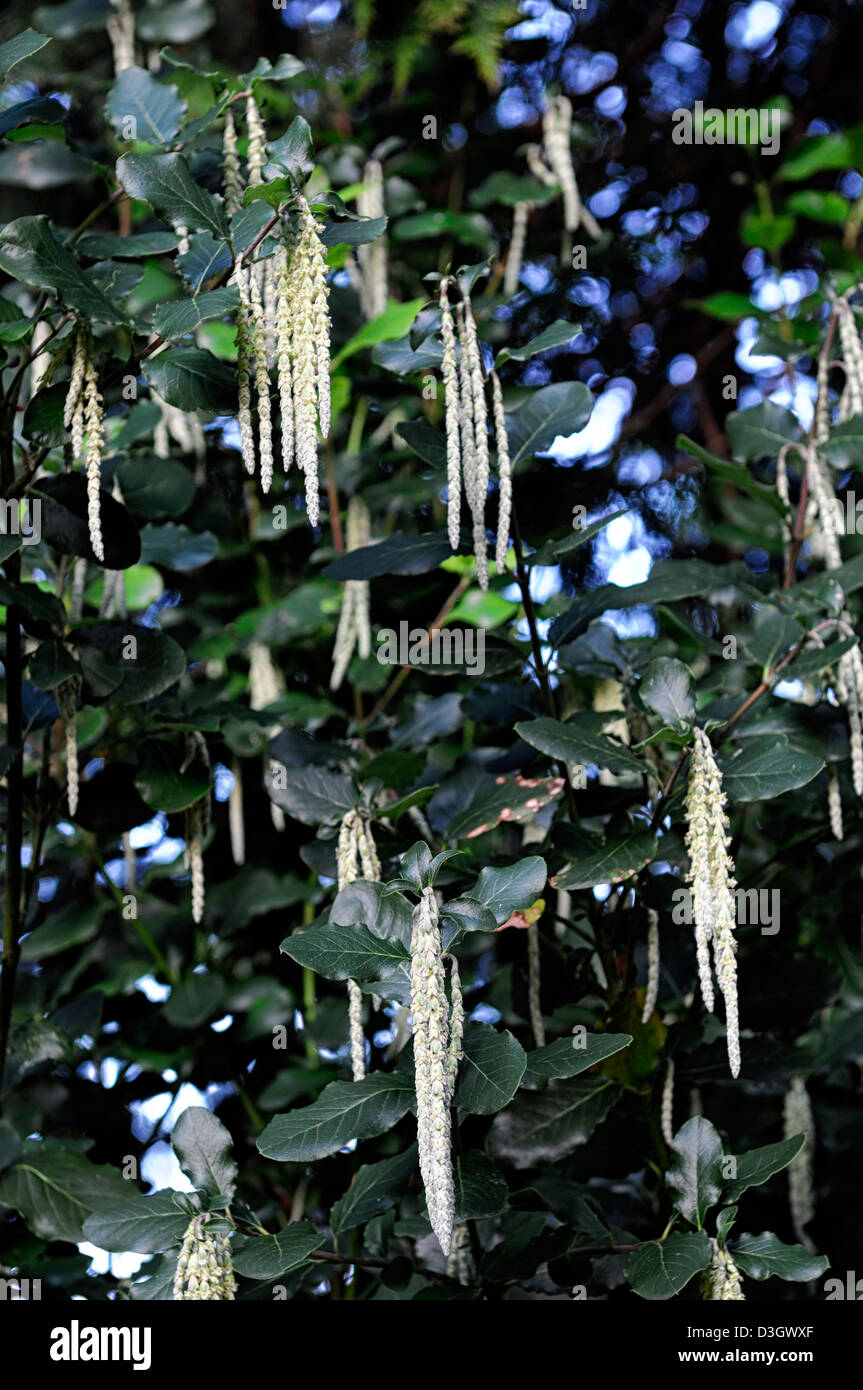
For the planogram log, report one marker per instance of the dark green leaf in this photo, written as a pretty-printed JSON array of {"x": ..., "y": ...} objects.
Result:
[
  {"x": 204, "y": 1148},
  {"x": 267, "y": 1257},
  {"x": 490, "y": 1070},
  {"x": 344, "y": 1111},
  {"x": 164, "y": 181},
  {"x": 544, "y": 1126},
  {"x": 756, "y": 1166},
  {"x": 766, "y": 1255},
  {"x": 567, "y": 1057},
  {"x": 156, "y": 108},
  {"x": 375, "y": 1188},
  {"x": 345, "y": 953},
  {"x": 695, "y": 1177},
  {"x": 664, "y": 1267}
]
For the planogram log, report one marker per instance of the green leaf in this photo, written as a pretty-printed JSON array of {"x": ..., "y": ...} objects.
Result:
[
  {"x": 469, "y": 228},
  {"x": 205, "y": 260},
  {"x": 192, "y": 379},
  {"x": 561, "y": 409},
  {"x": 267, "y": 1257},
  {"x": 344, "y": 1111},
  {"x": 107, "y": 246},
  {"x": 10, "y": 1144},
  {"x": 156, "y": 108},
  {"x": 177, "y": 547},
  {"x": 509, "y": 890},
  {"x": 181, "y": 316},
  {"x": 313, "y": 795},
  {"x": 64, "y": 521},
  {"x": 503, "y": 799},
  {"x": 345, "y": 953},
  {"x": 555, "y": 335},
  {"x": 43, "y": 110},
  {"x": 480, "y": 1188},
  {"x": 766, "y": 1255},
  {"x": 695, "y": 1178},
  {"x": 398, "y": 554},
  {"x": 669, "y": 580},
  {"x": 732, "y": 473},
  {"x": 71, "y": 926},
  {"x": 354, "y": 232},
  {"x": 767, "y": 230},
  {"x": 164, "y": 181},
  {"x": 756, "y": 1166},
  {"x": 294, "y": 152},
  {"x": 386, "y": 914},
  {"x": 544, "y": 1126},
  {"x": 166, "y": 788},
  {"x": 763, "y": 768},
  {"x": 55, "y": 1190},
  {"x": 22, "y": 46},
  {"x": 563, "y": 1058},
  {"x": 394, "y": 322},
  {"x": 154, "y": 487},
  {"x": 142, "y": 1224},
  {"x": 375, "y": 1188},
  {"x": 577, "y": 742},
  {"x": 205, "y": 1152},
  {"x": 664, "y": 1267},
  {"x": 490, "y": 1070},
  {"x": 31, "y": 250},
  {"x": 195, "y": 1000},
  {"x": 844, "y": 448},
  {"x": 114, "y": 672},
  {"x": 820, "y": 206},
  {"x": 727, "y": 306},
  {"x": 668, "y": 689},
  {"x": 816, "y": 153},
  {"x": 51, "y": 664},
  {"x": 610, "y": 862},
  {"x": 761, "y": 431}
]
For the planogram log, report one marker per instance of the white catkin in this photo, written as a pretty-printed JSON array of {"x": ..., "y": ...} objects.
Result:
[
  {"x": 834, "y": 802},
  {"x": 429, "y": 1010},
  {"x": 195, "y": 853},
  {"x": 354, "y": 630},
  {"x": 79, "y": 585},
  {"x": 798, "y": 1119},
  {"x": 204, "y": 1270},
  {"x": 475, "y": 428},
  {"x": 721, "y": 1282},
  {"x": 504, "y": 471},
  {"x": 372, "y": 257},
  {"x": 283, "y": 354},
  {"x": 452, "y": 416},
  {"x": 233, "y": 177},
  {"x": 517, "y": 242},
  {"x": 557, "y": 131},
  {"x": 73, "y": 408},
  {"x": 309, "y": 347},
  {"x": 356, "y": 857},
  {"x": 130, "y": 863},
  {"x": 262, "y": 383},
  {"x": 666, "y": 1109},
  {"x": 852, "y": 356},
  {"x": 236, "y": 821},
  {"x": 68, "y": 692},
  {"x": 534, "y": 982},
  {"x": 459, "y": 1264},
  {"x": 93, "y": 421},
  {"x": 121, "y": 31},
  {"x": 712, "y": 878},
  {"x": 358, "y": 1042},
  {"x": 651, "y": 993},
  {"x": 244, "y": 372},
  {"x": 454, "y": 1051},
  {"x": 256, "y": 156}
]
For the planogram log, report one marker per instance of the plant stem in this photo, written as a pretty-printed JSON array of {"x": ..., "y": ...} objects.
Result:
[
  {"x": 401, "y": 676},
  {"x": 13, "y": 671}
]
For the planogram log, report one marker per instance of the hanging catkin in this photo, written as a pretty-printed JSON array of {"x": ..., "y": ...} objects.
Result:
[
  {"x": 712, "y": 878},
  {"x": 834, "y": 803},
  {"x": 194, "y": 856},
  {"x": 356, "y": 857},
  {"x": 517, "y": 242},
  {"x": 504, "y": 471},
  {"x": 372, "y": 255},
  {"x": 83, "y": 413},
  {"x": 534, "y": 982},
  {"x": 431, "y": 1034},
  {"x": 651, "y": 993},
  {"x": 721, "y": 1282},
  {"x": 266, "y": 685},
  {"x": 557, "y": 132},
  {"x": 452, "y": 416},
  {"x": 204, "y": 1270},
  {"x": 232, "y": 173},
  {"x": 236, "y": 821},
  {"x": 454, "y": 1051},
  {"x": 476, "y": 425},
  {"x": 666, "y": 1109},
  {"x": 354, "y": 630},
  {"x": 459, "y": 1264},
  {"x": 798, "y": 1119},
  {"x": 121, "y": 31},
  {"x": 68, "y": 693}
]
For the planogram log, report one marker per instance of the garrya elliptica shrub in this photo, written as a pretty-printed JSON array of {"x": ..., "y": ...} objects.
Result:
[{"x": 456, "y": 944}]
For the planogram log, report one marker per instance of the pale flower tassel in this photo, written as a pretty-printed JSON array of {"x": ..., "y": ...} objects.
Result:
[
  {"x": 455, "y": 1050},
  {"x": 204, "y": 1272},
  {"x": 504, "y": 470},
  {"x": 798, "y": 1119},
  {"x": 651, "y": 993},
  {"x": 244, "y": 372},
  {"x": 372, "y": 256},
  {"x": 452, "y": 415},
  {"x": 358, "y": 1042},
  {"x": 721, "y": 1282},
  {"x": 93, "y": 419},
  {"x": 429, "y": 1010},
  {"x": 121, "y": 31},
  {"x": 666, "y": 1108},
  {"x": 516, "y": 248},
  {"x": 68, "y": 692},
  {"x": 195, "y": 857},
  {"x": 354, "y": 629},
  {"x": 534, "y": 981},
  {"x": 236, "y": 821},
  {"x": 834, "y": 803},
  {"x": 459, "y": 1264},
  {"x": 233, "y": 177}
]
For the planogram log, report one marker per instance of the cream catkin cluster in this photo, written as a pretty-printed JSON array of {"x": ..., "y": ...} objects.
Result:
[
  {"x": 83, "y": 414},
  {"x": 666, "y": 1109},
  {"x": 557, "y": 135},
  {"x": 354, "y": 632},
  {"x": 204, "y": 1270},
  {"x": 437, "y": 1051},
  {"x": 68, "y": 692},
  {"x": 197, "y": 825},
  {"x": 371, "y": 272},
  {"x": 798, "y": 1119},
  {"x": 651, "y": 993},
  {"x": 459, "y": 1264},
  {"x": 721, "y": 1282},
  {"x": 467, "y": 444},
  {"x": 356, "y": 857},
  {"x": 711, "y": 875}
]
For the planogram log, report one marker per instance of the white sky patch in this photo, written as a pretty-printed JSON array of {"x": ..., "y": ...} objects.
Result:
[
  {"x": 603, "y": 427},
  {"x": 753, "y": 26},
  {"x": 121, "y": 1266}
]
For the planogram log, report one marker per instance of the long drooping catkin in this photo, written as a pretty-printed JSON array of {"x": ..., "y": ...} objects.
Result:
[
  {"x": 666, "y": 1109},
  {"x": 68, "y": 692},
  {"x": 354, "y": 630},
  {"x": 356, "y": 857},
  {"x": 534, "y": 981},
  {"x": 517, "y": 242},
  {"x": 372, "y": 255},
  {"x": 476, "y": 426},
  {"x": 721, "y": 1282},
  {"x": 232, "y": 173},
  {"x": 504, "y": 471},
  {"x": 431, "y": 1035},
  {"x": 651, "y": 992},
  {"x": 712, "y": 878},
  {"x": 452, "y": 416},
  {"x": 798, "y": 1119}
]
